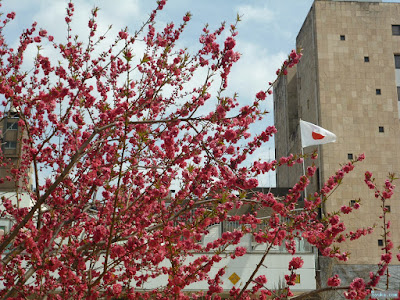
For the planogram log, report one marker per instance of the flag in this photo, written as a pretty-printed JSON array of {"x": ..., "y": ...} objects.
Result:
[{"x": 312, "y": 134}]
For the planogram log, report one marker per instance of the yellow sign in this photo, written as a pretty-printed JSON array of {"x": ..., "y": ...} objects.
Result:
[
  {"x": 297, "y": 278},
  {"x": 234, "y": 278}
]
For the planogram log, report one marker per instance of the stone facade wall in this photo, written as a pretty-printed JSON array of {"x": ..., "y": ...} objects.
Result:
[
  {"x": 357, "y": 96},
  {"x": 346, "y": 84}
]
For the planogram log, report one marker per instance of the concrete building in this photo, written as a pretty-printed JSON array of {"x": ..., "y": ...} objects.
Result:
[
  {"x": 10, "y": 136},
  {"x": 348, "y": 81}
]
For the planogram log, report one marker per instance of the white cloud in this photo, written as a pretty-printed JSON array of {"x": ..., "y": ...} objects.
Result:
[
  {"x": 123, "y": 10},
  {"x": 50, "y": 14},
  {"x": 255, "y": 69},
  {"x": 255, "y": 14}
]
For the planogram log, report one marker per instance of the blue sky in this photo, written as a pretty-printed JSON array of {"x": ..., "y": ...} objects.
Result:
[{"x": 267, "y": 33}]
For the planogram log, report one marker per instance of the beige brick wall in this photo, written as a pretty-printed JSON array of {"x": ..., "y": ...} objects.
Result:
[{"x": 337, "y": 90}]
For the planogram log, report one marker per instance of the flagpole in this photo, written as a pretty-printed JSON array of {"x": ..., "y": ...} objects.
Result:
[
  {"x": 304, "y": 168},
  {"x": 304, "y": 173},
  {"x": 311, "y": 134}
]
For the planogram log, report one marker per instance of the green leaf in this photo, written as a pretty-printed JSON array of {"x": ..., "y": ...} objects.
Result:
[{"x": 145, "y": 59}]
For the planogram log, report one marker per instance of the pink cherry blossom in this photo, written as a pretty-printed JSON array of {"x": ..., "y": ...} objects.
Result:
[{"x": 334, "y": 281}]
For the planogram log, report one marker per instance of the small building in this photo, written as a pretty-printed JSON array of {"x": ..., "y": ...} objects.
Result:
[
  {"x": 17, "y": 191},
  {"x": 239, "y": 270}
]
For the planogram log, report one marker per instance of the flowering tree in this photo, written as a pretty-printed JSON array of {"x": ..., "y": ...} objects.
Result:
[{"x": 110, "y": 129}]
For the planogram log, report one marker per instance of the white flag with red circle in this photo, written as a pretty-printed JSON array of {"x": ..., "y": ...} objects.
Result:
[{"x": 312, "y": 134}]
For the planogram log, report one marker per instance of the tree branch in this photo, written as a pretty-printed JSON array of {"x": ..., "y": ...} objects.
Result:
[{"x": 43, "y": 198}]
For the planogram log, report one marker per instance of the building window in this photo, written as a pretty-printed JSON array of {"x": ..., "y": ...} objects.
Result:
[
  {"x": 350, "y": 155},
  {"x": 352, "y": 202},
  {"x": 398, "y": 93},
  {"x": 380, "y": 243},
  {"x": 342, "y": 38},
  {"x": 378, "y": 92},
  {"x": 397, "y": 61},
  {"x": 366, "y": 58},
  {"x": 395, "y": 29},
  {"x": 12, "y": 126},
  {"x": 10, "y": 145},
  {"x": 381, "y": 129},
  {"x": 397, "y": 76},
  {"x": 387, "y": 208}
]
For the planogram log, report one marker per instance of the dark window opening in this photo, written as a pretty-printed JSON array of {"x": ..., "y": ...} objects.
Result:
[
  {"x": 381, "y": 129},
  {"x": 352, "y": 202},
  {"x": 366, "y": 58},
  {"x": 395, "y": 29},
  {"x": 342, "y": 38},
  {"x": 350, "y": 155},
  {"x": 10, "y": 145},
  {"x": 12, "y": 125},
  {"x": 387, "y": 208},
  {"x": 380, "y": 243},
  {"x": 397, "y": 61},
  {"x": 378, "y": 91},
  {"x": 398, "y": 93}
]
